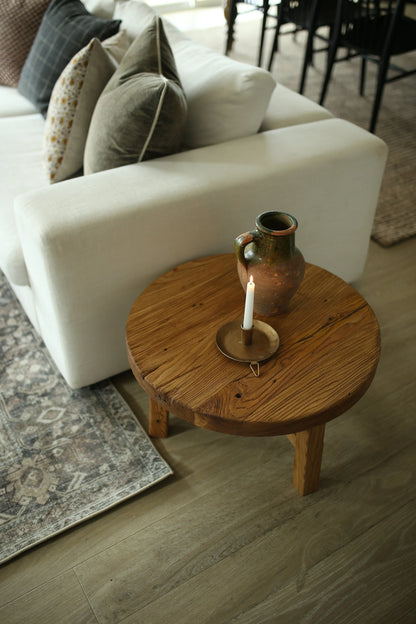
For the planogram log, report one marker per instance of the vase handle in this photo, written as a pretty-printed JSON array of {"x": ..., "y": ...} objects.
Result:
[{"x": 240, "y": 244}]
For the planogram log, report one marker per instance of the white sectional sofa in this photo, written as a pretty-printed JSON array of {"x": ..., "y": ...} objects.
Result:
[{"x": 78, "y": 252}]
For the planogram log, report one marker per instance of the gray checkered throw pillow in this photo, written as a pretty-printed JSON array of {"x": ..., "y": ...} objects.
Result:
[{"x": 66, "y": 27}]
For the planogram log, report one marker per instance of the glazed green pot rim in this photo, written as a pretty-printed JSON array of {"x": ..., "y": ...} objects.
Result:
[{"x": 292, "y": 223}]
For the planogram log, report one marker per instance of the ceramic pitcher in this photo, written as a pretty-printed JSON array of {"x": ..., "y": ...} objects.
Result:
[{"x": 269, "y": 254}]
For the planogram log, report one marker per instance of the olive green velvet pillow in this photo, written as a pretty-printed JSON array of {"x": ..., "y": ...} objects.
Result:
[{"x": 142, "y": 111}]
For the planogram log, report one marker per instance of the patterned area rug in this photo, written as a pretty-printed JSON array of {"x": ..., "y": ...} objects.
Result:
[
  {"x": 395, "y": 218},
  {"x": 65, "y": 455}
]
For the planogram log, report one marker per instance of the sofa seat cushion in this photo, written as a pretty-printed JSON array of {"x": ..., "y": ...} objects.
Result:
[
  {"x": 66, "y": 27},
  {"x": 20, "y": 171},
  {"x": 142, "y": 111},
  {"x": 12, "y": 103},
  {"x": 226, "y": 99}
]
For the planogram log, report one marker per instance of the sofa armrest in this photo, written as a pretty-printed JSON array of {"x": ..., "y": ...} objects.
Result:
[{"x": 92, "y": 244}]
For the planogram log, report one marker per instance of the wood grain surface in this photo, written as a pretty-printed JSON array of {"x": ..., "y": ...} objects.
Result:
[{"x": 329, "y": 349}]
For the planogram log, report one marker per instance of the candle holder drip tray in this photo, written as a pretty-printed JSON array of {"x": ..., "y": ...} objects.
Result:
[{"x": 265, "y": 342}]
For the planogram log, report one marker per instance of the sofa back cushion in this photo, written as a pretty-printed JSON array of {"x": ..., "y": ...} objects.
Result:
[{"x": 226, "y": 99}]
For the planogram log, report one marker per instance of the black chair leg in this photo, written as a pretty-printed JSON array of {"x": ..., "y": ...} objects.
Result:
[
  {"x": 275, "y": 45},
  {"x": 309, "y": 51},
  {"x": 381, "y": 79},
  {"x": 307, "y": 59},
  {"x": 363, "y": 75},
  {"x": 332, "y": 53},
  {"x": 263, "y": 30},
  {"x": 230, "y": 28}
]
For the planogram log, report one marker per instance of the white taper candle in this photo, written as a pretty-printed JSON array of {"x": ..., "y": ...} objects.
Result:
[{"x": 248, "y": 310}]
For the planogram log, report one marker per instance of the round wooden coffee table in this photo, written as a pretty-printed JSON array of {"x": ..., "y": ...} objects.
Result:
[{"x": 328, "y": 354}]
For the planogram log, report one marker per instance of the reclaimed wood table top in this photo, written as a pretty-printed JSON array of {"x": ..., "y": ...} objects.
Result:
[{"x": 328, "y": 353}]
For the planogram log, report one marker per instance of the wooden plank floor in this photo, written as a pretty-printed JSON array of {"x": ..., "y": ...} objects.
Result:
[{"x": 227, "y": 539}]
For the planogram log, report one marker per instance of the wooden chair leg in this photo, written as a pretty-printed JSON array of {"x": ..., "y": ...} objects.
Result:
[
  {"x": 158, "y": 420},
  {"x": 309, "y": 446}
]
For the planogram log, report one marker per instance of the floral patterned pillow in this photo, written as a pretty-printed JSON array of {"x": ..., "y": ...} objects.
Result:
[{"x": 72, "y": 103}]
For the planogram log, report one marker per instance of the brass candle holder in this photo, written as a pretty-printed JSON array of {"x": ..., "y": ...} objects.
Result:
[
  {"x": 254, "y": 345},
  {"x": 247, "y": 335}
]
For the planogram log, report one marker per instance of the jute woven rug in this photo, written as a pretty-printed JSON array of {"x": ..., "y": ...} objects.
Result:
[
  {"x": 396, "y": 212},
  {"x": 65, "y": 455}
]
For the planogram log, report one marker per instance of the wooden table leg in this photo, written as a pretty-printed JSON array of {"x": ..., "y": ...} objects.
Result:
[
  {"x": 158, "y": 420},
  {"x": 309, "y": 445}
]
